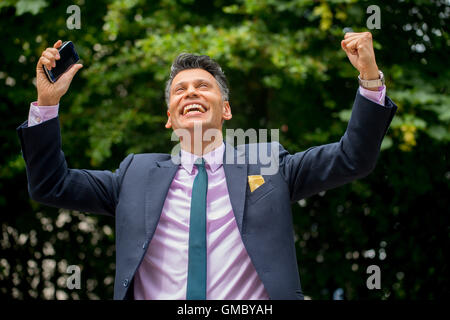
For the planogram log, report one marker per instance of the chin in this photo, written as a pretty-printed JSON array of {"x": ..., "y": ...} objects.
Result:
[{"x": 190, "y": 123}]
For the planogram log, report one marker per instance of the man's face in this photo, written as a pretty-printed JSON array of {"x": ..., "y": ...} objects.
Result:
[{"x": 195, "y": 97}]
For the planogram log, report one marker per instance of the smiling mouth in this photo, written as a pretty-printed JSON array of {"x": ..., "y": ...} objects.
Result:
[{"x": 194, "y": 108}]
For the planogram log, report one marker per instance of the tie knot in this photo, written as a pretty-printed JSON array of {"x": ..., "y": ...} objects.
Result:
[{"x": 200, "y": 163}]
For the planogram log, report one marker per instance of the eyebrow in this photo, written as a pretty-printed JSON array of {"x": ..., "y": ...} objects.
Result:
[{"x": 195, "y": 80}]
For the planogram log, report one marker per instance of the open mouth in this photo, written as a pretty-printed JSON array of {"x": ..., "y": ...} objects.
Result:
[{"x": 193, "y": 108}]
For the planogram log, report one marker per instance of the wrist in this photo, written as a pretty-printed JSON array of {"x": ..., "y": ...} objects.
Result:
[
  {"x": 370, "y": 74},
  {"x": 47, "y": 101},
  {"x": 372, "y": 84}
]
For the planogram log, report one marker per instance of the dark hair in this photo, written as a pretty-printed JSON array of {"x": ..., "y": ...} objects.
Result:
[{"x": 186, "y": 61}]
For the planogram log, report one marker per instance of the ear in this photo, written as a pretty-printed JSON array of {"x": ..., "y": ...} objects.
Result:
[
  {"x": 226, "y": 111},
  {"x": 168, "y": 123}
]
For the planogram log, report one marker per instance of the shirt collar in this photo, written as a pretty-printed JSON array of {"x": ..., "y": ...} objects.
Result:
[{"x": 213, "y": 159}]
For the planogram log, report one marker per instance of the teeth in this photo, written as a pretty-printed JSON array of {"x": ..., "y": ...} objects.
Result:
[{"x": 193, "y": 106}]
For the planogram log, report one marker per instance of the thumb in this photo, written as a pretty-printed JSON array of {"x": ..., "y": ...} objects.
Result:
[
  {"x": 69, "y": 74},
  {"x": 74, "y": 69}
]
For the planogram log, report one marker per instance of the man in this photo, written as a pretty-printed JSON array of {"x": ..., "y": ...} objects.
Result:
[{"x": 202, "y": 227}]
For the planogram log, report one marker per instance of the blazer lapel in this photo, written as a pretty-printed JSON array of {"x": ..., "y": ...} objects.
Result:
[
  {"x": 161, "y": 177},
  {"x": 159, "y": 180},
  {"x": 236, "y": 176}
]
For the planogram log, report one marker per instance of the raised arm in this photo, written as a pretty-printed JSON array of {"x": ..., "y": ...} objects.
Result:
[
  {"x": 50, "y": 181},
  {"x": 354, "y": 156}
]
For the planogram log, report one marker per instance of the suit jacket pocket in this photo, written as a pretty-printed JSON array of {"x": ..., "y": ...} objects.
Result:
[{"x": 260, "y": 192}]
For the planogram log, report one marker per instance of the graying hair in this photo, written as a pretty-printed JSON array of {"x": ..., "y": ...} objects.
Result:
[{"x": 186, "y": 61}]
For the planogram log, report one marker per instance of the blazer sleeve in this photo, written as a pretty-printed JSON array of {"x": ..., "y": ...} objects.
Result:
[
  {"x": 52, "y": 183},
  {"x": 354, "y": 156}
]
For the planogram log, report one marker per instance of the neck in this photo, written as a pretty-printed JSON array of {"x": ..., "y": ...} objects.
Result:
[{"x": 200, "y": 146}]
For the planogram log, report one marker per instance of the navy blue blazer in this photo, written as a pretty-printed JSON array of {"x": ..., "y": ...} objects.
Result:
[{"x": 136, "y": 191}]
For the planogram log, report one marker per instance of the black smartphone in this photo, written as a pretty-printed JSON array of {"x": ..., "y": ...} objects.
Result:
[{"x": 68, "y": 57}]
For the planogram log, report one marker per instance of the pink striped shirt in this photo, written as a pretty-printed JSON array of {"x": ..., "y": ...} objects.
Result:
[{"x": 230, "y": 272}]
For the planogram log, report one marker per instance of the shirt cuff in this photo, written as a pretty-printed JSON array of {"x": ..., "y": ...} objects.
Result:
[
  {"x": 39, "y": 114},
  {"x": 375, "y": 96}
]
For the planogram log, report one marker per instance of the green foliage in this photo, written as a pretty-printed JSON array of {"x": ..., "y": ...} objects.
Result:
[{"x": 286, "y": 70}]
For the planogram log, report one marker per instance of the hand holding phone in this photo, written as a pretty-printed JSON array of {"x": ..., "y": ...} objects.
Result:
[
  {"x": 68, "y": 57},
  {"x": 54, "y": 72}
]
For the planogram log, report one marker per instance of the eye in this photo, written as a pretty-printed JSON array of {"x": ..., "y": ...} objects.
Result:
[
  {"x": 179, "y": 89},
  {"x": 203, "y": 85}
]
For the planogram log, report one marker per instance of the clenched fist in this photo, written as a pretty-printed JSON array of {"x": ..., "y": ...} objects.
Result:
[
  {"x": 50, "y": 93},
  {"x": 359, "y": 49}
]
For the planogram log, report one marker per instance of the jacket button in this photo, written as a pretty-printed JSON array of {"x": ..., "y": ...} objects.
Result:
[{"x": 125, "y": 283}]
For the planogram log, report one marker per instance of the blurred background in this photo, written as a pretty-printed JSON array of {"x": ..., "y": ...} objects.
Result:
[{"x": 286, "y": 70}]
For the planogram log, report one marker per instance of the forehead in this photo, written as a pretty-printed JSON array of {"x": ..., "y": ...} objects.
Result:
[{"x": 191, "y": 75}]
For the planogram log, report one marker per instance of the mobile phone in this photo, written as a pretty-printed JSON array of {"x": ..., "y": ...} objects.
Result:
[{"x": 68, "y": 57}]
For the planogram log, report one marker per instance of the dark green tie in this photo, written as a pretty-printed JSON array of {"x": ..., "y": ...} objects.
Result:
[{"x": 196, "y": 281}]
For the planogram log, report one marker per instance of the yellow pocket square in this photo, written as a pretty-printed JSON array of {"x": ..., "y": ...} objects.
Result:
[{"x": 255, "y": 182}]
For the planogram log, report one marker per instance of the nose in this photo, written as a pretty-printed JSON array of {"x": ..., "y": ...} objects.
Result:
[{"x": 191, "y": 91}]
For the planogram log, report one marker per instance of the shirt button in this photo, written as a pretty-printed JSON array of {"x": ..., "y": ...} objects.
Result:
[
  {"x": 125, "y": 283},
  {"x": 38, "y": 119}
]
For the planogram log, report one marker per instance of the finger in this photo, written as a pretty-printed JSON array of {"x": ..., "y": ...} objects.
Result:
[
  {"x": 54, "y": 52},
  {"x": 343, "y": 46},
  {"x": 351, "y": 34},
  {"x": 57, "y": 44},
  {"x": 367, "y": 35},
  {"x": 47, "y": 63},
  {"x": 50, "y": 57},
  {"x": 356, "y": 34},
  {"x": 352, "y": 46},
  {"x": 348, "y": 40}
]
